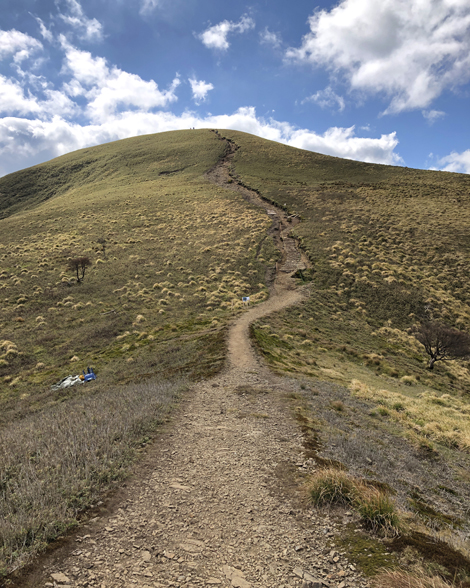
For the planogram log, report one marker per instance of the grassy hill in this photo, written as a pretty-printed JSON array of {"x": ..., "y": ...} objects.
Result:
[
  {"x": 177, "y": 252},
  {"x": 171, "y": 256}
]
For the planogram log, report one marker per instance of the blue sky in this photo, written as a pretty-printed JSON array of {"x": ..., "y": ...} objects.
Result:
[{"x": 386, "y": 82}]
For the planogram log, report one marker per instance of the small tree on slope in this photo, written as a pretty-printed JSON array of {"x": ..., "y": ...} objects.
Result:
[
  {"x": 442, "y": 342},
  {"x": 79, "y": 265}
]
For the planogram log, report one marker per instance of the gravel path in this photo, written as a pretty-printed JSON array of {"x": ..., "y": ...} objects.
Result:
[{"x": 219, "y": 502}]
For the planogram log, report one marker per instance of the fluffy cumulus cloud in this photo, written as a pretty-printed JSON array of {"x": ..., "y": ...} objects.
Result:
[
  {"x": 456, "y": 162},
  {"x": 216, "y": 37},
  {"x": 342, "y": 142},
  {"x": 200, "y": 89},
  {"x": 409, "y": 50},
  {"x": 34, "y": 140},
  {"x": 110, "y": 89},
  {"x": 18, "y": 45},
  {"x": 14, "y": 100},
  {"x": 88, "y": 29},
  {"x": 327, "y": 98}
]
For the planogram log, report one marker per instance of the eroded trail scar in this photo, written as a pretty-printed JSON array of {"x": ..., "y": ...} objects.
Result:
[
  {"x": 218, "y": 503},
  {"x": 283, "y": 292}
]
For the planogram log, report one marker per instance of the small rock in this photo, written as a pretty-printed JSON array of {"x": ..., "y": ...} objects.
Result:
[
  {"x": 146, "y": 555},
  {"x": 177, "y": 486},
  {"x": 239, "y": 582},
  {"x": 169, "y": 554},
  {"x": 298, "y": 572},
  {"x": 312, "y": 582},
  {"x": 190, "y": 548},
  {"x": 60, "y": 578}
]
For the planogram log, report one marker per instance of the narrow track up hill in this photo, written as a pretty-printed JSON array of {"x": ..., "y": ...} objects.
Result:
[{"x": 216, "y": 502}]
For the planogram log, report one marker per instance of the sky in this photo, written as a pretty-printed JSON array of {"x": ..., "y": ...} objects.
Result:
[{"x": 384, "y": 82}]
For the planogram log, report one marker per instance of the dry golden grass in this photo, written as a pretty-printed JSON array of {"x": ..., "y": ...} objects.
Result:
[
  {"x": 177, "y": 249},
  {"x": 441, "y": 418},
  {"x": 398, "y": 579}
]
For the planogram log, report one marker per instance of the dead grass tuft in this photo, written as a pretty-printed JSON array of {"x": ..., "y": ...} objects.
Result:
[{"x": 398, "y": 579}]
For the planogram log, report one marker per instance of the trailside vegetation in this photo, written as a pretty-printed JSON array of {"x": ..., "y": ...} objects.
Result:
[{"x": 442, "y": 342}]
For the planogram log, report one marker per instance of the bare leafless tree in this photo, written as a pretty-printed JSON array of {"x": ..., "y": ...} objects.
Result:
[
  {"x": 79, "y": 265},
  {"x": 442, "y": 342}
]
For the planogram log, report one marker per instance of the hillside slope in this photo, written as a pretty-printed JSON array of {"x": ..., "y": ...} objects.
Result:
[
  {"x": 171, "y": 256},
  {"x": 179, "y": 253}
]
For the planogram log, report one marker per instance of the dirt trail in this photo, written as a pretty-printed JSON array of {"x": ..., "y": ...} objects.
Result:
[{"x": 218, "y": 505}]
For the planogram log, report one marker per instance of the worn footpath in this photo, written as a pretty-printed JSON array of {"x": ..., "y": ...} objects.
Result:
[{"x": 221, "y": 503}]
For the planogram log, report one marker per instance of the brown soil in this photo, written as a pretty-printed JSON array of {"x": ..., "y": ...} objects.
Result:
[{"x": 216, "y": 501}]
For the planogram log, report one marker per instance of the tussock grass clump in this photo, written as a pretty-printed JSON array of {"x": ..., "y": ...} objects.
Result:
[
  {"x": 376, "y": 508},
  {"x": 54, "y": 464},
  {"x": 332, "y": 486},
  {"x": 399, "y": 579}
]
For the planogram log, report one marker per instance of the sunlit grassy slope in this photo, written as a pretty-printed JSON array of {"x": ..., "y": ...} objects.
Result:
[
  {"x": 389, "y": 248},
  {"x": 179, "y": 254}
]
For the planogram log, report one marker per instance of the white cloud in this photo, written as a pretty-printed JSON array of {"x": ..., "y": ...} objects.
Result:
[
  {"x": 18, "y": 44},
  {"x": 148, "y": 6},
  {"x": 268, "y": 37},
  {"x": 456, "y": 162},
  {"x": 109, "y": 89},
  {"x": 200, "y": 89},
  {"x": 89, "y": 29},
  {"x": 32, "y": 141},
  {"x": 215, "y": 37},
  {"x": 45, "y": 32},
  {"x": 342, "y": 142},
  {"x": 13, "y": 99},
  {"x": 327, "y": 98},
  {"x": 410, "y": 50},
  {"x": 432, "y": 115}
]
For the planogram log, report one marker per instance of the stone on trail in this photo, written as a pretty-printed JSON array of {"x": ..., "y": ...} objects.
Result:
[
  {"x": 316, "y": 584},
  {"x": 190, "y": 548},
  {"x": 60, "y": 578},
  {"x": 238, "y": 582},
  {"x": 177, "y": 486}
]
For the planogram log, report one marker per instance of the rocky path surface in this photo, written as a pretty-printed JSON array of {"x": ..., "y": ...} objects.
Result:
[{"x": 219, "y": 504}]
